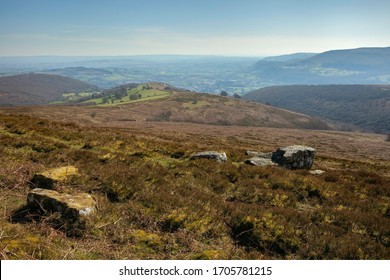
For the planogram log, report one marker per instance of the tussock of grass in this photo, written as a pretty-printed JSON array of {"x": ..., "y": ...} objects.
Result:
[{"x": 153, "y": 203}]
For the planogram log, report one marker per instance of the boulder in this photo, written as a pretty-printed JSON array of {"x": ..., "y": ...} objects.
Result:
[
  {"x": 221, "y": 157},
  {"x": 49, "y": 178},
  {"x": 294, "y": 157},
  {"x": 70, "y": 206},
  {"x": 259, "y": 161}
]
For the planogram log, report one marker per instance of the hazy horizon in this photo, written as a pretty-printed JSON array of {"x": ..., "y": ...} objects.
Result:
[{"x": 223, "y": 28}]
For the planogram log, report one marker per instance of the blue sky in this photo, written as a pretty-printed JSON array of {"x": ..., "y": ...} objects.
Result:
[{"x": 242, "y": 28}]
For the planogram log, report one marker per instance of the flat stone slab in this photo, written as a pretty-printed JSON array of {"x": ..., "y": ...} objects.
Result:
[
  {"x": 49, "y": 178},
  {"x": 258, "y": 154},
  {"x": 71, "y": 206},
  {"x": 219, "y": 156},
  {"x": 294, "y": 157},
  {"x": 258, "y": 161}
]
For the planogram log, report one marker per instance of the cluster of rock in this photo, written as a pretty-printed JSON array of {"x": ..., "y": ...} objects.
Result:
[
  {"x": 44, "y": 196},
  {"x": 73, "y": 207},
  {"x": 291, "y": 157}
]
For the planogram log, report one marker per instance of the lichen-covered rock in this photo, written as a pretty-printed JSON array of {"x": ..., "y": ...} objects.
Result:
[
  {"x": 294, "y": 157},
  {"x": 221, "y": 157},
  {"x": 71, "y": 206},
  {"x": 49, "y": 178},
  {"x": 259, "y": 161}
]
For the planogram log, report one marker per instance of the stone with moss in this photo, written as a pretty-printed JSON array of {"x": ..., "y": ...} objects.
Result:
[
  {"x": 70, "y": 206},
  {"x": 50, "y": 178}
]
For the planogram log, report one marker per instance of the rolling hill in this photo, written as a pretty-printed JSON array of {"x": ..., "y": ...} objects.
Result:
[
  {"x": 365, "y": 106},
  {"x": 352, "y": 66},
  {"x": 162, "y": 103},
  {"x": 37, "y": 89}
]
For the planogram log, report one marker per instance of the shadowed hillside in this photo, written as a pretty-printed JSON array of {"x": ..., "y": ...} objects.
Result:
[
  {"x": 35, "y": 89},
  {"x": 365, "y": 106}
]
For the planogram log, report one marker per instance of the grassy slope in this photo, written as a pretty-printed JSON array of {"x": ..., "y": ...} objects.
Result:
[
  {"x": 156, "y": 204},
  {"x": 176, "y": 106}
]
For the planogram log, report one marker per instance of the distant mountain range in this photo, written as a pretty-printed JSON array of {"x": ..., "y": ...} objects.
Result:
[
  {"x": 353, "y": 66},
  {"x": 212, "y": 74},
  {"x": 365, "y": 106},
  {"x": 37, "y": 89}
]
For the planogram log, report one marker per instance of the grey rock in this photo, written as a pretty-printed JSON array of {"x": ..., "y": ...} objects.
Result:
[
  {"x": 259, "y": 161},
  {"x": 71, "y": 206},
  {"x": 258, "y": 154},
  {"x": 294, "y": 157},
  {"x": 221, "y": 157}
]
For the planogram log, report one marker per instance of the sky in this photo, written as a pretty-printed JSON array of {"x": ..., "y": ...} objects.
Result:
[{"x": 192, "y": 27}]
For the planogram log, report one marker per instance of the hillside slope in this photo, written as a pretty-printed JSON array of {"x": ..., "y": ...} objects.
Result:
[
  {"x": 352, "y": 66},
  {"x": 366, "y": 106},
  {"x": 155, "y": 203},
  {"x": 178, "y": 106},
  {"x": 37, "y": 89}
]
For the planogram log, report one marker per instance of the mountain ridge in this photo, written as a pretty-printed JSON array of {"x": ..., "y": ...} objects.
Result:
[{"x": 349, "y": 66}]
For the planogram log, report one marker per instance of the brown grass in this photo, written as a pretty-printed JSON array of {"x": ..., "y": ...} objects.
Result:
[
  {"x": 153, "y": 203},
  {"x": 187, "y": 107}
]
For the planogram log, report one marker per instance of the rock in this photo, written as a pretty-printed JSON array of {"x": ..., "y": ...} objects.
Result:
[
  {"x": 258, "y": 154},
  {"x": 294, "y": 157},
  {"x": 317, "y": 172},
  {"x": 49, "y": 178},
  {"x": 259, "y": 161},
  {"x": 221, "y": 157},
  {"x": 71, "y": 206}
]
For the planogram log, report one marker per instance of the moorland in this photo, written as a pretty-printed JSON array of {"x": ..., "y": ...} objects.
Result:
[{"x": 153, "y": 202}]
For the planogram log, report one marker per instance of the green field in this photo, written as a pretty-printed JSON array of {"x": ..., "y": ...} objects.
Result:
[{"x": 144, "y": 95}]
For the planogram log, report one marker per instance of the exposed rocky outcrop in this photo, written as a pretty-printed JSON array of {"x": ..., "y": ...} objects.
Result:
[
  {"x": 294, "y": 157},
  {"x": 50, "y": 178},
  {"x": 221, "y": 157},
  {"x": 70, "y": 206}
]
